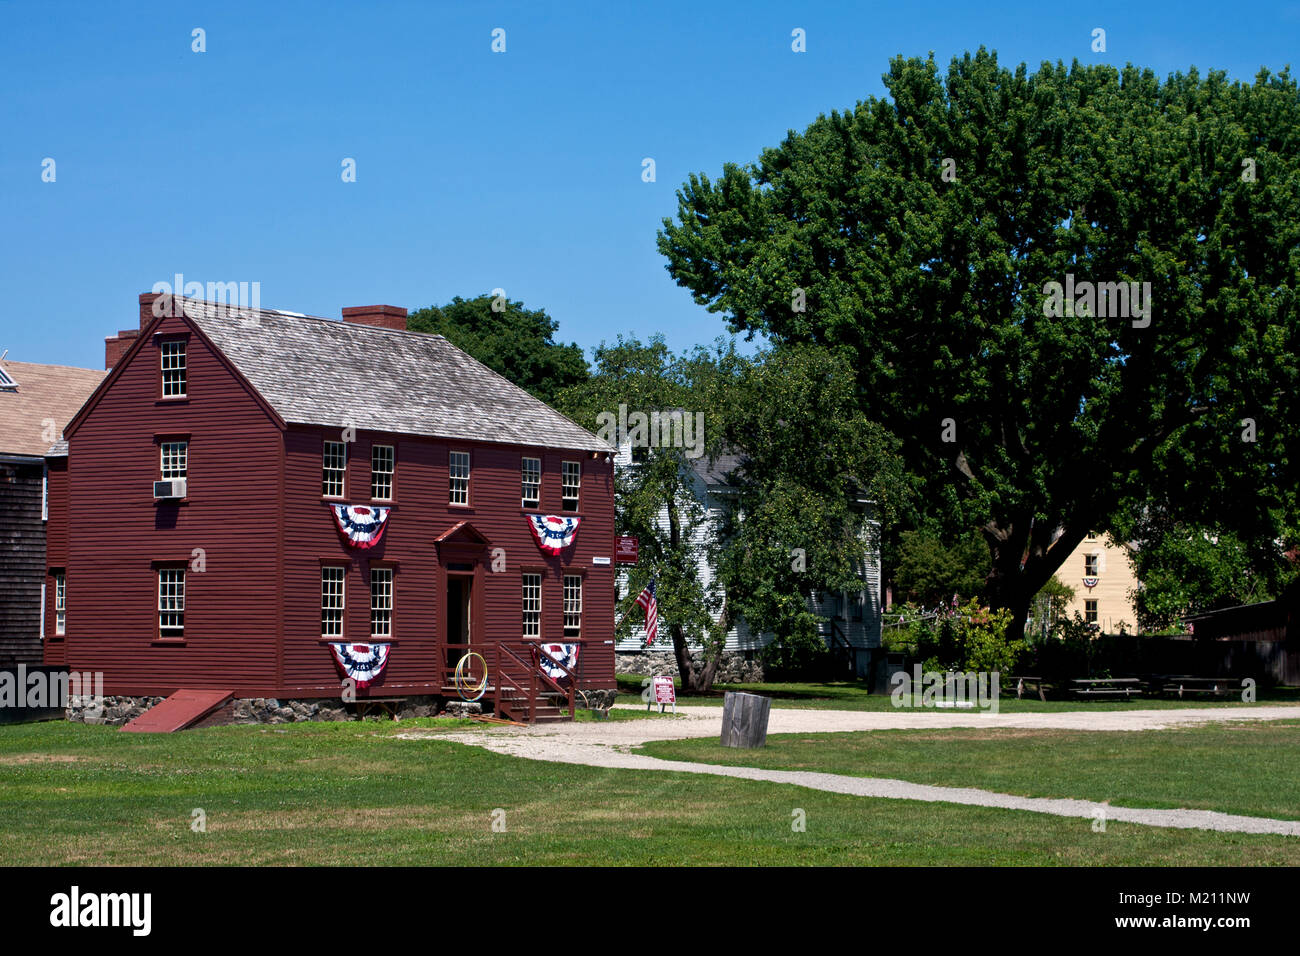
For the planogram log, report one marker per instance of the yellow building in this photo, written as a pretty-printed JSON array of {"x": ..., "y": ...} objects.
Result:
[{"x": 1100, "y": 573}]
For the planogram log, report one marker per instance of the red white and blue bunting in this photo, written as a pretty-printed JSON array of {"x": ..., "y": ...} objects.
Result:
[
  {"x": 566, "y": 654},
  {"x": 553, "y": 533},
  {"x": 362, "y": 526},
  {"x": 361, "y": 662},
  {"x": 1090, "y": 583}
]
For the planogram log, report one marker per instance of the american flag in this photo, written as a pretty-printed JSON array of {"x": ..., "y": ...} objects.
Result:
[{"x": 647, "y": 600}]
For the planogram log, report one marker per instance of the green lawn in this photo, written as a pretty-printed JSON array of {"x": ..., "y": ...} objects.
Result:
[
  {"x": 349, "y": 793},
  {"x": 853, "y": 695},
  {"x": 1249, "y": 768}
]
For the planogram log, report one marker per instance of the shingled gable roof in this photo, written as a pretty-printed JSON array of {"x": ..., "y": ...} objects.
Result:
[
  {"x": 46, "y": 399},
  {"x": 315, "y": 371}
]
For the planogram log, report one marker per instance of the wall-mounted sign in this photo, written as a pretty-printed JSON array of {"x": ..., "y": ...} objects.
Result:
[
  {"x": 596, "y": 560},
  {"x": 625, "y": 549}
]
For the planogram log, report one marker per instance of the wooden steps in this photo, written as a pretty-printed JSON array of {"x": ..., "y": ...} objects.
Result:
[{"x": 182, "y": 709}]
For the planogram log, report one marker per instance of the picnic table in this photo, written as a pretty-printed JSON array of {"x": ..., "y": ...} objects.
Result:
[
  {"x": 1037, "y": 682},
  {"x": 1106, "y": 687},
  {"x": 1183, "y": 685}
]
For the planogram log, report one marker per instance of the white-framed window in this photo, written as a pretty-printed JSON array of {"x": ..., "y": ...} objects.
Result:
[
  {"x": 171, "y": 602},
  {"x": 383, "y": 464},
  {"x": 531, "y": 473},
  {"x": 60, "y": 603},
  {"x": 381, "y": 602},
  {"x": 7, "y": 384},
  {"x": 572, "y": 605},
  {"x": 532, "y": 606},
  {"x": 332, "y": 601},
  {"x": 570, "y": 483},
  {"x": 335, "y": 468},
  {"x": 1090, "y": 565},
  {"x": 175, "y": 459},
  {"x": 458, "y": 471},
  {"x": 174, "y": 377},
  {"x": 1090, "y": 612}
]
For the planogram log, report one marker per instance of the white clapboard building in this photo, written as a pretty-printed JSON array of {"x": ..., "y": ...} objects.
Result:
[{"x": 850, "y": 620}]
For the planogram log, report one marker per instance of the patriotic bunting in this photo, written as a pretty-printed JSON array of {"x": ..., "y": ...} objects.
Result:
[
  {"x": 566, "y": 654},
  {"x": 1090, "y": 582},
  {"x": 363, "y": 527},
  {"x": 553, "y": 533},
  {"x": 361, "y": 662}
]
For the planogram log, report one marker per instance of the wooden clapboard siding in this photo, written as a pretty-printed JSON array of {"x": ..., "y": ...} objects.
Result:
[
  {"x": 255, "y": 509},
  {"x": 118, "y": 532},
  {"x": 22, "y": 562},
  {"x": 422, "y": 512}
]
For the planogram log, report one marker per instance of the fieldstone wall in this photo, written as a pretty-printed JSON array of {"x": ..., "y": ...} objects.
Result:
[
  {"x": 116, "y": 711},
  {"x": 113, "y": 711},
  {"x": 732, "y": 669}
]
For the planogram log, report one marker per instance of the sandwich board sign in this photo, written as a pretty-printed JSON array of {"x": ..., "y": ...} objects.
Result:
[{"x": 662, "y": 692}]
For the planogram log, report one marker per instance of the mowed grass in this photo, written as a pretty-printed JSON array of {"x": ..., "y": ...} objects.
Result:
[
  {"x": 855, "y": 695},
  {"x": 353, "y": 793},
  {"x": 1250, "y": 768}
]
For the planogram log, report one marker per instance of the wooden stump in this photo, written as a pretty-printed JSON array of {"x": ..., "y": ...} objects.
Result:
[{"x": 744, "y": 720}]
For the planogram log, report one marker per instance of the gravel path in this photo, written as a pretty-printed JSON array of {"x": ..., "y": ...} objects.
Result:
[{"x": 609, "y": 743}]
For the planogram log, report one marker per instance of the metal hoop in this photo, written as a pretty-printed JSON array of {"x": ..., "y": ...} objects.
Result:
[{"x": 460, "y": 680}]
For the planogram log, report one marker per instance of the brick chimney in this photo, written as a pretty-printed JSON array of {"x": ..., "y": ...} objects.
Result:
[
  {"x": 380, "y": 316},
  {"x": 115, "y": 346},
  {"x": 146, "y": 307}
]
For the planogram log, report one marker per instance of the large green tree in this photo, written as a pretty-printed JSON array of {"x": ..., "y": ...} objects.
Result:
[
  {"x": 655, "y": 498},
  {"x": 514, "y": 341},
  {"x": 921, "y": 231}
]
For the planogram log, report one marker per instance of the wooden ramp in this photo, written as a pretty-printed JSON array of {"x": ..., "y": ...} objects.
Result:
[{"x": 182, "y": 709}]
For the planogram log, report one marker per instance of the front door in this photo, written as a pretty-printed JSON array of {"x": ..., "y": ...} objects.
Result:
[{"x": 459, "y": 609}]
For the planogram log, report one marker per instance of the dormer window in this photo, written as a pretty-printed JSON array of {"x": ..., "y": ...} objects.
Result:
[{"x": 174, "y": 377}]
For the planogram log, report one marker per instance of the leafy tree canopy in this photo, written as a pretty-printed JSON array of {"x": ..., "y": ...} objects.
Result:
[
  {"x": 921, "y": 232},
  {"x": 513, "y": 341}
]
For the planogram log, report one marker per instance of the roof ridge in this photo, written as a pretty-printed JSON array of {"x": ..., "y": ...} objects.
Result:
[{"x": 282, "y": 313}]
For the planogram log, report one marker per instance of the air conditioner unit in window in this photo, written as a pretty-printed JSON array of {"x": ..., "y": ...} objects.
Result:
[{"x": 169, "y": 489}]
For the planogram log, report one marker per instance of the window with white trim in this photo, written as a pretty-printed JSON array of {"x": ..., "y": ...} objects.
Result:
[
  {"x": 532, "y": 606},
  {"x": 60, "y": 603},
  {"x": 175, "y": 459},
  {"x": 331, "y": 602},
  {"x": 383, "y": 463},
  {"x": 570, "y": 482},
  {"x": 458, "y": 471},
  {"x": 335, "y": 467},
  {"x": 1090, "y": 612},
  {"x": 572, "y": 605},
  {"x": 174, "y": 372},
  {"x": 381, "y": 602},
  {"x": 531, "y": 472},
  {"x": 171, "y": 602},
  {"x": 1090, "y": 565}
]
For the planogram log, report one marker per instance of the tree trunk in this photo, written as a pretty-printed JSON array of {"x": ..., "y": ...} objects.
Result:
[
  {"x": 680, "y": 649},
  {"x": 1013, "y": 584}
]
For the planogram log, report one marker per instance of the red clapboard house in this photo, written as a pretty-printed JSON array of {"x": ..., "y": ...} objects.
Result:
[{"x": 267, "y": 504}]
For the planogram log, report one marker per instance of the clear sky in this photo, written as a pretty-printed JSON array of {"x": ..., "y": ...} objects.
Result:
[{"x": 475, "y": 170}]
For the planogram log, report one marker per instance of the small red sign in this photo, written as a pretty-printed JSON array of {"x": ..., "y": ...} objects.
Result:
[
  {"x": 665, "y": 692},
  {"x": 625, "y": 550}
]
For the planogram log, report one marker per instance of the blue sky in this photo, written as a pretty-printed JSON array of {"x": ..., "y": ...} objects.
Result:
[{"x": 475, "y": 170}]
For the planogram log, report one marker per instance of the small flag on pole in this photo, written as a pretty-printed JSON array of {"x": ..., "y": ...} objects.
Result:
[{"x": 647, "y": 601}]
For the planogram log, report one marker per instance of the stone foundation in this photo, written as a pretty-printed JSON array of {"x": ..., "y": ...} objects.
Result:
[
  {"x": 116, "y": 711},
  {"x": 732, "y": 669}
]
